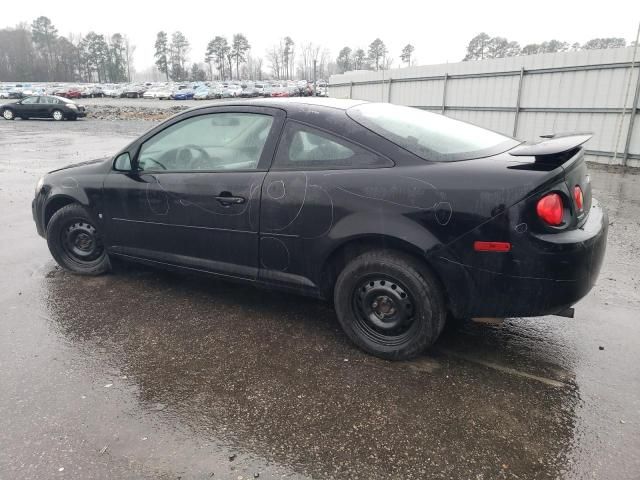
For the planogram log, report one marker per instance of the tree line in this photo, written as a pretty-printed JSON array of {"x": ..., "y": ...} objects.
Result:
[
  {"x": 36, "y": 52},
  {"x": 375, "y": 58},
  {"x": 483, "y": 46},
  {"x": 226, "y": 59}
]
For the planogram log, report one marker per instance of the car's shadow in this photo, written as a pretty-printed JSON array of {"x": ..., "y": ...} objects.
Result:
[{"x": 274, "y": 374}]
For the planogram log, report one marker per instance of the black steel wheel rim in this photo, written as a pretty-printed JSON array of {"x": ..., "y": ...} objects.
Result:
[
  {"x": 81, "y": 242},
  {"x": 384, "y": 311}
]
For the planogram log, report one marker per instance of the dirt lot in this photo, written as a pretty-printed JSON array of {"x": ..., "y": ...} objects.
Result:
[{"x": 147, "y": 374}]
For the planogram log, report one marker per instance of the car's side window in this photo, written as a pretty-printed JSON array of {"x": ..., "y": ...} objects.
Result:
[
  {"x": 303, "y": 147},
  {"x": 30, "y": 100},
  {"x": 216, "y": 141}
]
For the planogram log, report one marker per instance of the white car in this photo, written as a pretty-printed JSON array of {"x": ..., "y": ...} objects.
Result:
[
  {"x": 234, "y": 90},
  {"x": 161, "y": 93},
  {"x": 4, "y": 92},
  {"x": 114, "y": 92}
]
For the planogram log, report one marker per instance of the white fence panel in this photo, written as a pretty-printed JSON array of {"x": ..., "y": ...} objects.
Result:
[{"x": 525, "y": 96}]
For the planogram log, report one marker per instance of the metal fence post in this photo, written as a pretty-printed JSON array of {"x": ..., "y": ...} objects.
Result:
[
  {"x": 634, "y": 112},
  {"x": 389, "y": 91},
  {"x": 517, "y": 112},
  {"x": 351, "y": 89},
  {"x": 444, "y": 93}
]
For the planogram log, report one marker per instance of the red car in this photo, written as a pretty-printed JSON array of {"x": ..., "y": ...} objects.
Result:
[
  {"x": 70, "y": 92},
  {"x": 280, "y": 92}
]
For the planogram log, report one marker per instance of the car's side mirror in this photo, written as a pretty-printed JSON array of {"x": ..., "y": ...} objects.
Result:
[{"x": 123, "y": 163}]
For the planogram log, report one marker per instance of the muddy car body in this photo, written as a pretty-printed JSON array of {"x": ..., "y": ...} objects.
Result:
[{"x": 327, "y": 198}]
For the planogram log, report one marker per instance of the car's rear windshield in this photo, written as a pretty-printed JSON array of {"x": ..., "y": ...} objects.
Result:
[{"x": 429, "y": 135}]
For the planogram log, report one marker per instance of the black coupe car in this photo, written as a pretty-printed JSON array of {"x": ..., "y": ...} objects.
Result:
[
  {"x": 402, "y": 217},
  {"x": 46, "y": 106}
]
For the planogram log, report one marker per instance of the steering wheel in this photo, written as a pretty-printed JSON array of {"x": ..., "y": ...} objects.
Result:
[
  {"x": 186, "y": 158},
  {"x": 153, "y": 160}
]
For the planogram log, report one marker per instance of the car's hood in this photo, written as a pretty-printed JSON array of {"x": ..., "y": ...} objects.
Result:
[{"x": 83, "y": 165}]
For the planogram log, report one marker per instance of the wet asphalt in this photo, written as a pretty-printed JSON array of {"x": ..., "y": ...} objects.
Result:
[{"x": 155, "y": 375}]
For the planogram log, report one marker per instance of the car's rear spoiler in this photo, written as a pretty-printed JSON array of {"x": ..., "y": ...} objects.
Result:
[{"x": 551, "y": 145}]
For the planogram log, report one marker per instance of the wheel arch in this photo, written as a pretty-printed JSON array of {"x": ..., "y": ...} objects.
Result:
[
  {"x": 341, "y": 254},
  {"x": 454, "y": 281},
  {"x": 56, "y": 201},
  {"x": 54, "y": 204}
]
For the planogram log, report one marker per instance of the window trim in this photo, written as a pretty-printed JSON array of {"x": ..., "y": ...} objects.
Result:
[
  {"x": 263, "y": 163},
  {"x": 275, "y": 167}
]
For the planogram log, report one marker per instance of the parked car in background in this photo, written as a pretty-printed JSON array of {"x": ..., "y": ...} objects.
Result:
[
  {"x": 162, "y": 93},
  {"x": 113, "y": 91},
  {"x": 4, "y": 92},
  {"x": 202, "y": 93},
  {"x": 322, "y": 91},
  {"x": 92, "y": 91},
  {"x": 69, "y": 92},
  {"x": 227, "y": 92},
  {"x": 235, "y": 90},
  {"x": 58, "y": 108},
  {"x": 16, "y": 91},
  {"x": 184, "y": 94},
  {"x": 280, "y": 92},
  {"x": 249, "y": 92},
  {"x": 135, "y": 91},
  {"x": 215, "y": 91}
]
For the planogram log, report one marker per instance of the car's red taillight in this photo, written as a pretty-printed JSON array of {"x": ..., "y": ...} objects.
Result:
[
  {"x": 550, "y": 209},
  {"x": 578, "y": 197}
]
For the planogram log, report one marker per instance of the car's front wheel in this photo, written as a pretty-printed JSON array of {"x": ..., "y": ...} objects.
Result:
[
  {"x": 57, "y": 115},
  {"x": 389, "y": 304},
  {"x": 75, "y": 243},
  {"x": 8, "y": 114}
]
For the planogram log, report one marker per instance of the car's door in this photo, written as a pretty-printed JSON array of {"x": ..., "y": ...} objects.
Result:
[
  {"x": 29, "y": 107},
  {"x": 194, "y": 198},
  {"x": 305, "y": 194},
  {"x": 46, "y": 105}
]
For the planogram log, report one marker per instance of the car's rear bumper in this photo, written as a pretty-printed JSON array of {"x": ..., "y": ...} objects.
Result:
[{"x": 567, "y": 265}]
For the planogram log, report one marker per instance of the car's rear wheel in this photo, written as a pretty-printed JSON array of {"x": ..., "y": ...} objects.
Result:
[
  {"x": 389, "y": 305},
  {"x": 57, "y": 115},
  {"x": 8, "y": 114},
  {"x": 75, "y": 243}
]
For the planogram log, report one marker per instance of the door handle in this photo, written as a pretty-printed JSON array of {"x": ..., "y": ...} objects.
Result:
[{"x": 226, "y": 199}]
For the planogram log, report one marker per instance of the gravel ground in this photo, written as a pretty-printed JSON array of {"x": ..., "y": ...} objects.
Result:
[{"x": 137, "y": 108}]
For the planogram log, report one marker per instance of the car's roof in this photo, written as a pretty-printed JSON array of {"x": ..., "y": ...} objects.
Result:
[{"x": 292, "y": 103}]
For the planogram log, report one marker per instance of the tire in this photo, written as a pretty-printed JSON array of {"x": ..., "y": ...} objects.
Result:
[
  {"x": 57, "y": 115},
  {"x": 75, "y": 243},
  {"x": 8, "y": 114},
  {"x": 389, "y": 305}
]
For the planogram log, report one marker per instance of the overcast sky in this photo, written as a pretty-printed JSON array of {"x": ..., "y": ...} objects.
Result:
[{"x": 440, "y": 30}]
